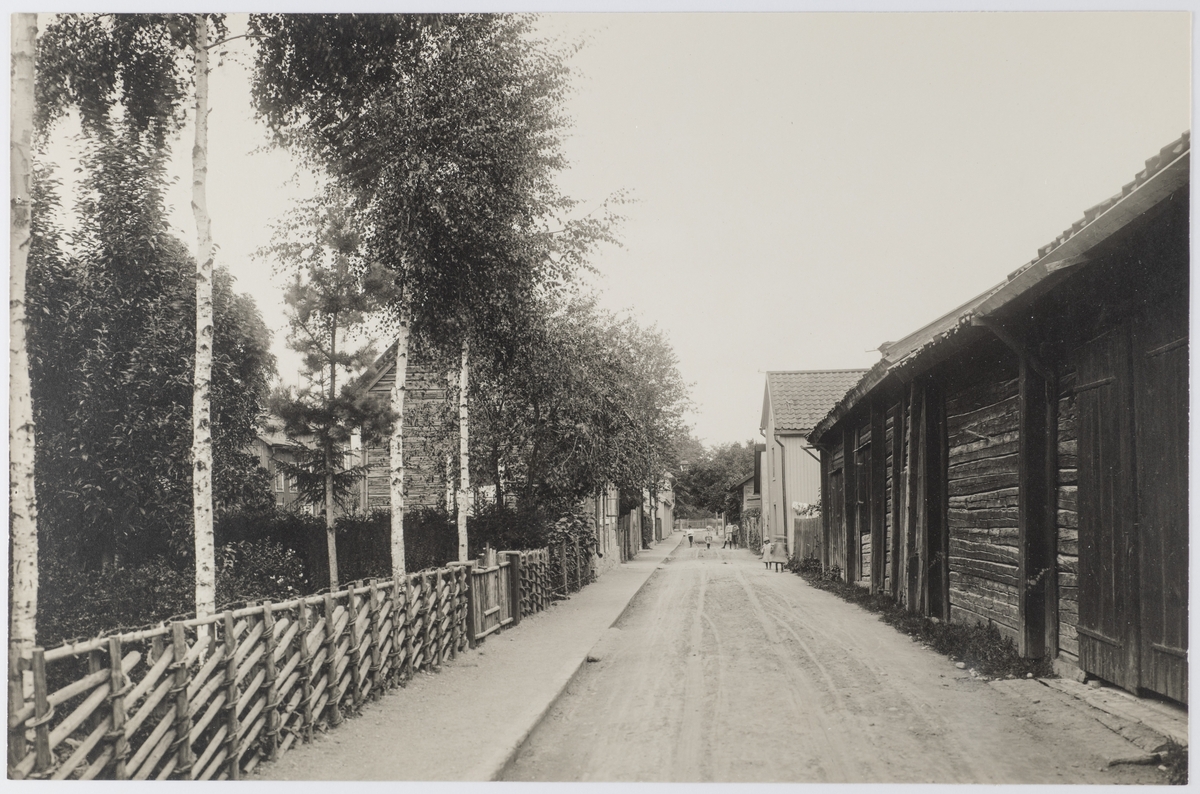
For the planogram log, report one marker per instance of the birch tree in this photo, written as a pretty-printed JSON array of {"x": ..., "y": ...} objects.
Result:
[
  {"x": 202, "y": 499},
  {"x": 21, "y": 494},
  {"x": 465, "y": 495},
  {"x": 447, "y": 130},
  {"x": 94, "y": 72}
]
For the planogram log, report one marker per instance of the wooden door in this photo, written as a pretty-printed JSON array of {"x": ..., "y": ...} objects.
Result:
[
  {"x": 1107, "y": 609},
  {"x": 1160, "y": 361},
  {"x": 862, "y": 510},
  {"x": 837, "y": 522}
]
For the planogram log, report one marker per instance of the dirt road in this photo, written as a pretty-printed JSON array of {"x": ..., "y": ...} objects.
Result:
[{"x": 723, "y": 671}]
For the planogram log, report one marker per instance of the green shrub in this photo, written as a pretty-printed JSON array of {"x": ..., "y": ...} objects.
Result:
[{"x": 78, "y": 604}]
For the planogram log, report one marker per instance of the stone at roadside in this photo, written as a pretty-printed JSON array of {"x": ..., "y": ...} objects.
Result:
[{"x": 961, "y": 665}]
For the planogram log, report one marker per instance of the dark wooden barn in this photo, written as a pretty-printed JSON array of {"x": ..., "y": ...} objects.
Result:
[{"x": 1023, "y": 459}]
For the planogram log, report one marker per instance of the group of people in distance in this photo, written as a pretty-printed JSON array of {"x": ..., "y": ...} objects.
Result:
[{"x": 708, "y": 539}]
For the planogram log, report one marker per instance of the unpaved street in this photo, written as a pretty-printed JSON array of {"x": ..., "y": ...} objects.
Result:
[{"x": 723, "y": 671}]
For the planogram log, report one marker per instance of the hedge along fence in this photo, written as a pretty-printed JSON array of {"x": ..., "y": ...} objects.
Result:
[{"x": 211, "y": 698}]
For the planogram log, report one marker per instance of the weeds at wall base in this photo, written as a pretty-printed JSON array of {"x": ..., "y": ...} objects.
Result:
[{"x": 980, "y": 647}]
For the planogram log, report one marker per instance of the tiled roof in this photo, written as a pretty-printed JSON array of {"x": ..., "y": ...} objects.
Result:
[
  {"x": 800, "y": 399},
  {"x": 1158, "y": 162}
]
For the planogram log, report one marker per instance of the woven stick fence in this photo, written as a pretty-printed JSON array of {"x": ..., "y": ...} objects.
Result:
[
  {"x": 212, "y": 698},
  {"x": 572, "y": 568}
]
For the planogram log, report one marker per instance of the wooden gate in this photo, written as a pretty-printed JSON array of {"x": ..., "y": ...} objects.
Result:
[
  {"x": 836, "y": 544},
  {"x": 492, "y": 595},
  {"x": 1133, "y": 513},
  {"x": 1160, "y": 369},
  {"x": 1106, "y": 533}
]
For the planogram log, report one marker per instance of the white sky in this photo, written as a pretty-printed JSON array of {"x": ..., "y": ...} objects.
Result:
[{"x": 809, "y": 185}]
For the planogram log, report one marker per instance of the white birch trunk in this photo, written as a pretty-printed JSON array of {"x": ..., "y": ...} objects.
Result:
[
  {"x": 330, "y": 535},
  {"x": 396, "y": 450},
  {"x": 21, "y": 495},
  {"x": 451, "y": 379},
  {"x": 202, "y": 511},
  {"x": 464, "y": 458}
]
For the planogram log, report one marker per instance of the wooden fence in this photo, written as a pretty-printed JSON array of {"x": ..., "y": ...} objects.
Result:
[
  {"x": 808, "y": 538},
  {"x": 571, "y": 567},
  {"x": 211, "y": 698}
]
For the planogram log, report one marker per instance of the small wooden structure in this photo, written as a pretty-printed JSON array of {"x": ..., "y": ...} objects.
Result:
[{"x": 1022, "y": 460}]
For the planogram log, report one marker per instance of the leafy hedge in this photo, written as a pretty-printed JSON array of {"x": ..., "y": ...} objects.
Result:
[{"x": 75, "y": 604}]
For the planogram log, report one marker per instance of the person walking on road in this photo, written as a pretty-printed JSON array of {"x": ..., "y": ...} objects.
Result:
[
  {"x": 689, "y": 537},
  {"x": 708, "y": 540}
]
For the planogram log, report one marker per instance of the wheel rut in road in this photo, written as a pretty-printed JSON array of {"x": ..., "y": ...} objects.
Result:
[{"x": 723, "y": 671}]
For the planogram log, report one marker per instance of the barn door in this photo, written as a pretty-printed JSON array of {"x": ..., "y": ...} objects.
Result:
[
  {"x": 1107, "y": 610},
  {"x": 862, "y": 510},
  {"x": 1160, "y": 358},
  {"x": 837, "y": 525}
]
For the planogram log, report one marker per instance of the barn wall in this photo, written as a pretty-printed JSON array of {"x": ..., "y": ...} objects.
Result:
[
  {"x": 889, "y": 495},
  {"x": 983, "y": 433}
]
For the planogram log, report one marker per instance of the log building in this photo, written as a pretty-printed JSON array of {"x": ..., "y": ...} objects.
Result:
[{"x": 1022, "y": 460}]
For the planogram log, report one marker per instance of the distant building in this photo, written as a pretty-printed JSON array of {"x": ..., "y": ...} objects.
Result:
[{"x": 793, "y": 402}]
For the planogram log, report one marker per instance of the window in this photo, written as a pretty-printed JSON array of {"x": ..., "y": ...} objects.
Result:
[{"x": 278, "y": 480}]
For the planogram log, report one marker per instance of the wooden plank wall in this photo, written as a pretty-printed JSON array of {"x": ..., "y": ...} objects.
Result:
[
  {"x": 982, "y": 423},
  {"x": 1068, "y": 519},
  {"x": 889, "y": 495},
  {"x": 425, "y": 443},
  {"x": 860, "y": 518}
]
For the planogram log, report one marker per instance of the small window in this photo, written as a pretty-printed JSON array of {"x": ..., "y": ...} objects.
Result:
[{"x": 279, "y": 480}]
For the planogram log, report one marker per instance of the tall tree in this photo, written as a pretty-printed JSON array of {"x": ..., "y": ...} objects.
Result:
[
  {"x": 21, "y": 491},
  {"x": 98, "y": 63},
  {"x": 464, "y": 454},
  {"x": 328, "y": 303},
  {"x": 446, "y": 129},
  {"x": 202, "y": 457}
]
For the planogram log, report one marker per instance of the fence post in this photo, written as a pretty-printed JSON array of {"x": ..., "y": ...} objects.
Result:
[
  {"x": 41, "y": 712},
  {"x": 355, "y": 649},
  {"x": 472, "y": 603},
  {"x": 410, "y": 617},
  {"x": 183, "y": 716},
  {"x": 376, "y": 622},
  {"x": 231, "y": 697},
  {"x": 514, "y": 585},
  {"x": 399, "y": 624},
  {"x": 456, "y": 635},
  {"x": 578, "y": 566},
  {"x": 116, "y": 699},
  {"x": 17, "y": 747},
  {"x": 332, "y": 684},
  {"x": 270, "y": 681},
  {"x": 563, "y": 561},
  {"x": 436, "y": 627},
  {"x": 306, "y": 670}
]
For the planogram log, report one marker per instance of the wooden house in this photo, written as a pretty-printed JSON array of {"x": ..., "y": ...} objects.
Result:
[
  {"x": 430, "y": 432},
  {"x": 793, "y": 402},
  {"x": 1022, "y": 460}
]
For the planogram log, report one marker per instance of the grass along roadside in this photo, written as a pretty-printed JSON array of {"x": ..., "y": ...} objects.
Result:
[{"x": 979, "y": 648}]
